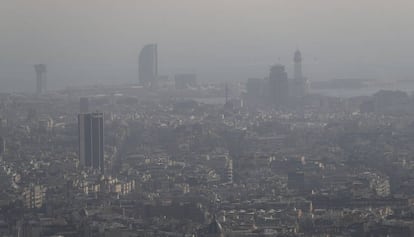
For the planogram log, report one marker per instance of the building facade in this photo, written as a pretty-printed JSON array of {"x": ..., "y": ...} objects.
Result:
[{"x": 278, "y": 85}]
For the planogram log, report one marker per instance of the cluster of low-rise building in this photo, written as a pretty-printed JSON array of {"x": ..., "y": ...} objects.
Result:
[{"x": 175, "y": 166}]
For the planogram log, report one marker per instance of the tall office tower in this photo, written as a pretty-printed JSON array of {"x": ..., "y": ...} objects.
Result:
[
  {"x": 278, "y": 85},
  {"x": 40, "y": 78},
  {"x": 300, "y": 83},
  {"x": 84, "y": 105},
  {"x": 148, "y": 65},
  {"x": 91, "y": 132}
]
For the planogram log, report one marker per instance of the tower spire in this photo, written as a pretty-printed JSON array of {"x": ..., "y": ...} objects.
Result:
[{"x": 300, "y": 82}]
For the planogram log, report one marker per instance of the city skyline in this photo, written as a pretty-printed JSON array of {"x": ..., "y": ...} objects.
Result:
[
  {"x": 235, "y": 44},
  {"x": 218, "y": 118}
]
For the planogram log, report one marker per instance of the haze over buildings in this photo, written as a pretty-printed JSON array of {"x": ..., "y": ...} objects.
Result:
[
  {"x": 227, "y": 129},
  {"x": 97, "y": 41}
]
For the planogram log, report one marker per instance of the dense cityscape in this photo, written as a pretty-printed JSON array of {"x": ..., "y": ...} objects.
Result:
[{"x": 173, "y": 156}]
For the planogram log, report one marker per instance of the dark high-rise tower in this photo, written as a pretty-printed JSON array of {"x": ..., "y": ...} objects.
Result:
[
  {"x": 91, "y": 132},
  {"x": 40, "y": 78},
  {"x": 148, "y": 65},
  {"x": 278, "y": 85}
]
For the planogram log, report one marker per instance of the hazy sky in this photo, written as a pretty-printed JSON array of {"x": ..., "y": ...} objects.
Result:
[{"x": 93, "y": 41}]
